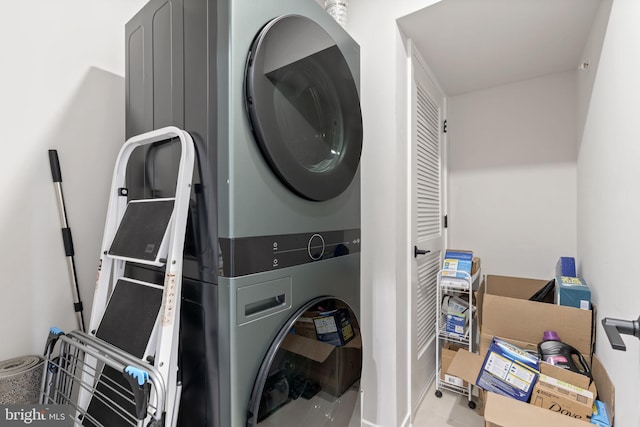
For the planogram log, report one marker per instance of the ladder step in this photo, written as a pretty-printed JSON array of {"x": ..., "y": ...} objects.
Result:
[
  {"x": 142, "y": 234},
  {"x": 130, "y": 315}
]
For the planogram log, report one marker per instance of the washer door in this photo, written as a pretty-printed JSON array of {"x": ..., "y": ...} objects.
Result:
[
  {"x": 311, "y": 379},
  {"x": 304, "y": 107}
]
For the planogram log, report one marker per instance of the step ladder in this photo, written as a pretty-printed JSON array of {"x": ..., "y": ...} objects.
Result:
[{"x": 125, "y": 371}]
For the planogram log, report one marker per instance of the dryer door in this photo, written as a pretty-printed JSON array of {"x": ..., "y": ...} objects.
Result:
[
  {"x": 304, "y": 107},
  {"x": 310, "y": 375}
]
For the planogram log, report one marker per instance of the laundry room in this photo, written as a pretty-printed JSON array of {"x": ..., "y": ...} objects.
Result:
[{"x": 538, "y": 162}]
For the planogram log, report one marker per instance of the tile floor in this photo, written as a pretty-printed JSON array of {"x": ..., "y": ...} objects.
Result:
[{"x": 449, "y": 410}]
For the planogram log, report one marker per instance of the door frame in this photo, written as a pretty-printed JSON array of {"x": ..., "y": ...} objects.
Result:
[{"x": 413, "y": 59}]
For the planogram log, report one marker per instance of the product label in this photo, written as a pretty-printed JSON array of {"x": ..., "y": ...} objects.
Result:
[
  {"x": 555, "y": 360},
  {"x": 571, "y": 281},
  {"x": 498, "y": 366},
  {"x": 453, "y": 380},
  {"x": 520, "y": 378},
  {"x": 326, "y": 325}
]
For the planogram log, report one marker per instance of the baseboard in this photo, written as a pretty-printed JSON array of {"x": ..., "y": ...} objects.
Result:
[{"x": 405, "y": 423}]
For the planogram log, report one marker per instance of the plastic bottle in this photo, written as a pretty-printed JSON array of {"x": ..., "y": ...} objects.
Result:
[{"x": 560, "y": 354}]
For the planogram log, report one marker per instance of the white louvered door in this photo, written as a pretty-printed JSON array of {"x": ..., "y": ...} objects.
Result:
[{"x": 427, "y": 228}]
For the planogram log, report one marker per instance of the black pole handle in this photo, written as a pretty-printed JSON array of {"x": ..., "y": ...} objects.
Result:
[
  {"x": 417, "y": 252},
  {"x": 55, "y": 166}
]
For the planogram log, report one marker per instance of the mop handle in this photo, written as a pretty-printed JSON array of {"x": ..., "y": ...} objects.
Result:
[{"x": 66, "y": 236}]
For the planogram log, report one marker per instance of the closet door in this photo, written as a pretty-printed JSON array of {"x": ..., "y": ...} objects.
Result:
[{"x": 427, "y": 228}]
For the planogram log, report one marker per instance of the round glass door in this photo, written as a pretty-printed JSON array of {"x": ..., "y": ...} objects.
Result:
[
  {"x": 304, "y": 107},
  {"x": 311, "y": 374}
]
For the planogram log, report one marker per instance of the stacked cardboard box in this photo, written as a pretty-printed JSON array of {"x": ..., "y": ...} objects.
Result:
[
  {"x": 335, "y": 369},
  {"x": 447, "y": 354},
  {"x": 329, "y": 347},
  {"x": 507, "y": 313}
]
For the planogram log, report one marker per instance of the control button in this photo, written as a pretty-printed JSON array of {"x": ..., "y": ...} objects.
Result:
[{"x": 315, "y": 247}]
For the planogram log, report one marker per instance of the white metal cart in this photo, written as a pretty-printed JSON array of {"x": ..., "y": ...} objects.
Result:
[{"x": 461, "y": 285}]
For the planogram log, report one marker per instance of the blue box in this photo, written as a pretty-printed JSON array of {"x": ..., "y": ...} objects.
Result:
[
  {"x": 566, "y": 266},
  {"x": 456, "y": 268},
  {"x": 509, "y": 371},
  {"x": 456, "y": 324},
  {"x": 456, "y": 311},
  {"x": 457, "y": 263},
  {"x": 572, "y": 292},
  {"x": 600, "y": 416},
  {"x": 334, "y": 327}
]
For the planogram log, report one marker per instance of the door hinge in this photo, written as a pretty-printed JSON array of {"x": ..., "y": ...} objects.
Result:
[
  {"x": 444, "y": 126},
  {"x": 446, "y": 221}
]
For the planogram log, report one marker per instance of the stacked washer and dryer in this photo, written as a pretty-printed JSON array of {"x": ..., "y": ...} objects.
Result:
[{"x": 269, "y": 92}]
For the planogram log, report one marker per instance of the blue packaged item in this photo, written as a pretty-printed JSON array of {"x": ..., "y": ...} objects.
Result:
[
  {"x": 572, "y": 292},
  {"x": 456, "y": 325},
  {"x": 334, "y": 327},
  {"x": 456, "y": 267},
  {"x": 509, "y": 371},
  {"x": 566, "y": 266},
  {"x": 600, "y": 416},
  {"x": 456, "y": 311},
  {"x": 456, "y": 263}
]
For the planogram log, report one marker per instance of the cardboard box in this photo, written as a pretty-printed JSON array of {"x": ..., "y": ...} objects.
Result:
[
  {"x": 475, "y": 265},
  {"x": 508, "y": 370},
  {"x": 507, "y": 313},
  {"x": 447, "y": 353},
  {"x": 335, "y": 369},
  {"x": 562, "y": 397},
  {"x": 502, "y": 411},
  {"x": 504, "y": 311},
  {"x": 304, "y": 326},
  {"x": 572, "y": 292}
]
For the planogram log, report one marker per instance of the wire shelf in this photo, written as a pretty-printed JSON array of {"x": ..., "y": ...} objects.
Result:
[{"x": 102, "y": 385}]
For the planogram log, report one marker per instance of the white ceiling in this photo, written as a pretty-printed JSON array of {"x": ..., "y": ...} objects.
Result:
[{"x": 477, "y": 44}]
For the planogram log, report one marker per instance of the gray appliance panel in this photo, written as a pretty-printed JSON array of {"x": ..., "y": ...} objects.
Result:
[
  {"x": 251, "y": 255},
  {"x": 257, "y": 202},
  {"x": 185, "y": 67},
  {"x": 243, "y": 344}
]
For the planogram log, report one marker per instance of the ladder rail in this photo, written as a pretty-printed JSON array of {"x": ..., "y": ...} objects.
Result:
[
  {"x": 163, "y": 344},
  {"x": 118, "y": 203}
]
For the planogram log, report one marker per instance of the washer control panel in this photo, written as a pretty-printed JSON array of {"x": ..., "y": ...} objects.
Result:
[
  {"x": 248, "y": 255},
  {"x": 315, "y": 247}
]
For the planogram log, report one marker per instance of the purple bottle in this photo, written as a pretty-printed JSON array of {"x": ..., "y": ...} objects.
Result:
[{"x": 562, "y": 355}]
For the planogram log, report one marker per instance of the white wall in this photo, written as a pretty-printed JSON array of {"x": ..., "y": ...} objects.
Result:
[
  {"x": 384, "y": 256},
  {"x": 591, "y": 54},
  {"x": 609, "y": 199},
  {"x": 512, "y": 170},
  {"x": 62, "y": 87}
]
